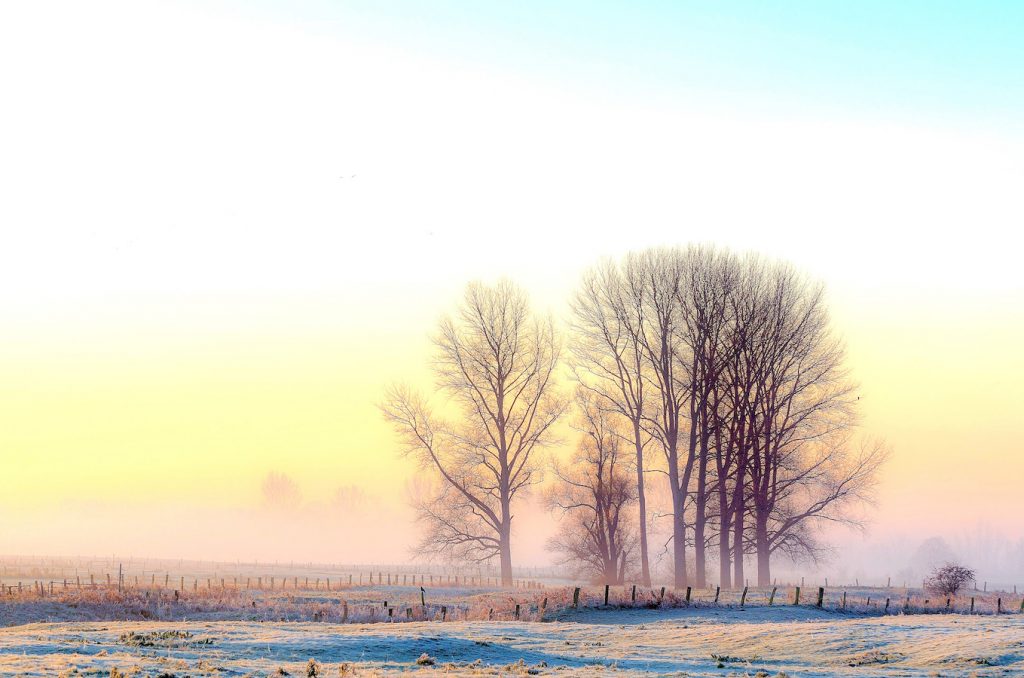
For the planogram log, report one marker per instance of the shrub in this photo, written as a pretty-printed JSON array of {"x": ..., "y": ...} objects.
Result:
[{"x": 949, "y": 579}]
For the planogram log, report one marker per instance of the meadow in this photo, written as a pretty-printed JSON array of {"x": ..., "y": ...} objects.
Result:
[{"x": 463, "y": 624}]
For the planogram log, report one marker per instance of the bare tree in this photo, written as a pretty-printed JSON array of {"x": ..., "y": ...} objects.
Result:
[
  {"x": 496, "y": 361},
  {"x": 595, "y": 494},
  {"x": 949, "y": 579},
  {"x": 794, "y": 410},
  {"x": 280, "y": 492},
  {"x": 608, "y": 362},
  {"x": 709, "y": 276},
  {"x": 654, "y": 277}
]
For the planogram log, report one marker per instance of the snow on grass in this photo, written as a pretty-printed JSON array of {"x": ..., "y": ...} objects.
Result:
[{"x": 696, "y": 641}]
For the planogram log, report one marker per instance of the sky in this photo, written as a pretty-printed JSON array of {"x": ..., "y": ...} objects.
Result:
[{"x": 227, "y": 226}]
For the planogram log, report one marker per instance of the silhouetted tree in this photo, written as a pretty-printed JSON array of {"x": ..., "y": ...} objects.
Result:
[
  {"x": 655, "y": 276},
  {"x": 709, "y": 279},
  {"x": 595, "y": 493},
  {"x": 496, "y": 360},
  {"x": 949, "y": 579},
  {"x": 280, "y": 492},
  {"x": 608, "y": 361}
]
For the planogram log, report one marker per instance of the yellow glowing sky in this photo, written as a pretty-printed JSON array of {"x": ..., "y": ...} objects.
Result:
[{"x": 192, "y": 297}]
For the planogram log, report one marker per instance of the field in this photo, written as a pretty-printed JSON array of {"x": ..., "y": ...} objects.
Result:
[
  {"x": 237, "y": 625},
  {"x": 697, "y": 642}
]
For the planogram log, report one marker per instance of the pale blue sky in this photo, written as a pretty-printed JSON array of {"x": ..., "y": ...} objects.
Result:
[{"x": 961, "y": 62}]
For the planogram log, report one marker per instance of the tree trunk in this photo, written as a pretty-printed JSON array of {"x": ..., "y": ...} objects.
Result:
[
  {"x": 724, "y": 560},
  {"x": 505, "y": 546},
  {"x": 700, "y": 519},
  {"x": 645, "y": 567},
  {"x": 724, "y": 518},
  {"x": 764, "y": 575},
  {"x": 679, "y": 552},
  {"x": 679, "y": 540},
  {"x": 737, "y": 540}
]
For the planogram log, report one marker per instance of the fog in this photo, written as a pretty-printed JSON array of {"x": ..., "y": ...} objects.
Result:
[{"x": 360, "y": 526}]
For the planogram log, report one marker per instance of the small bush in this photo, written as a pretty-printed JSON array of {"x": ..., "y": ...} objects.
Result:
[
  {"x": 949, "y": 579},
  {"x": 425, "y": 660},
  {"x": 313, "y": 669}
]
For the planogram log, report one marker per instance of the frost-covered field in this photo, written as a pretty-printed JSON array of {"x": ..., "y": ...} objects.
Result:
[{"x": 697, "y": 641}]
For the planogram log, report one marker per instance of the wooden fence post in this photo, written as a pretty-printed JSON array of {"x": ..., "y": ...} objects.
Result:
[
  {"x": 576, "y": 597},
  {"x": 632, "y": 596},
  {"x": 796, "y": 596},
  {"x": 687, "y": 595},
  {"x": 718, "y": 590},
  {"x": 886, "y": 605},
  {"x": 771, "y": 598},
  {"x": 972, "y": 604},
  {"x": 743, "y": 597},
  {"x": 606, "y": 595},
  {"x": 821, "y": 595}
]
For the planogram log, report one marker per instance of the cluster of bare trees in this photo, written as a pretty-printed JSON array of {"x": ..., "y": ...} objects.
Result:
[{"x": 718, "y": 371}]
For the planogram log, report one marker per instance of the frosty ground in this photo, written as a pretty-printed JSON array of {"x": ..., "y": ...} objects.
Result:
[{"x": 698, "y": 641}]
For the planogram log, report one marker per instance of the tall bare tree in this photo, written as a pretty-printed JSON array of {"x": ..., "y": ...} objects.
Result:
[
  {"x": 608, "y": 362},
  {"x": 709, "y": 276},
  {"x": 655, "y": 277},
  {"x": 496, "y": 361},
  {"x": 799, "y": 416},
  {"x": 595, "y": 493}
]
